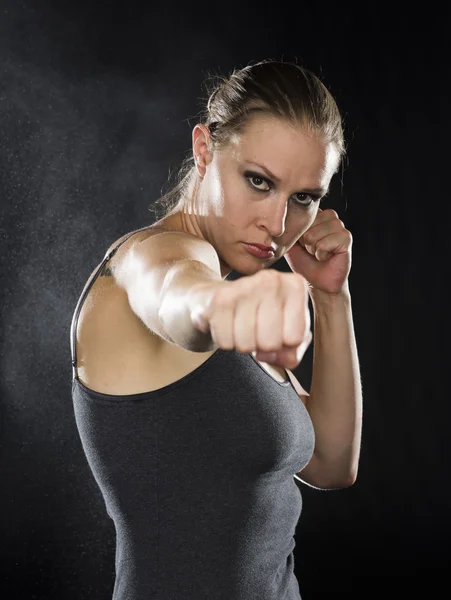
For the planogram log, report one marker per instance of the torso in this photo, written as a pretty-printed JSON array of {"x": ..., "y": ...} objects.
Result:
[{"x": 116, "y": 353}]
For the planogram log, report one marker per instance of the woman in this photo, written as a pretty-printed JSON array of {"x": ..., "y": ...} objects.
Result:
[{"x": 191, "y": 421}]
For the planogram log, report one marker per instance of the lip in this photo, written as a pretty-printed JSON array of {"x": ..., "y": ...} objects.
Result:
[
  {"x": 261, "y": 246},
  {"x": 259, "y": 251}
]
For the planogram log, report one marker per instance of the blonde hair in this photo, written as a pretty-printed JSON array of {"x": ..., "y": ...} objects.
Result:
[{"x": 282, "y": 89}]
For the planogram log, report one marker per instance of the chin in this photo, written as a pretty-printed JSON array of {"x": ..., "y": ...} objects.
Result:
[
  {"x": 246, "y": 268},
  {"x": 245, "y": 264}
]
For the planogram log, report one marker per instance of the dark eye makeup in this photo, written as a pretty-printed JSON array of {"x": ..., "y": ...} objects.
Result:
[{"x": 249, "y": 175}]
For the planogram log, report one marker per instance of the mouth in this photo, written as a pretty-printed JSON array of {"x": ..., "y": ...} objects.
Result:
[
  {"x": 259, "y": 250},
  {"x": 262, "y": 247}
]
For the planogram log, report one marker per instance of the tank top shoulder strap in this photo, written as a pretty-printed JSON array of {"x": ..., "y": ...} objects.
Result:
[{"x": 108, "y": 255}]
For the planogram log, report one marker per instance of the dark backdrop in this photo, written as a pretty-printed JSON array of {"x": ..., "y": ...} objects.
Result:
[{"x": 97, "y": 102}]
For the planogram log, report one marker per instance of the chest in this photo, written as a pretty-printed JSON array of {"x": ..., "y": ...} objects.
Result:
[{"x": 118, "y": 355}]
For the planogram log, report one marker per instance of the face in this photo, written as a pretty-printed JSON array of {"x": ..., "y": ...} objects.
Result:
[{"x": 264, "y": 187}]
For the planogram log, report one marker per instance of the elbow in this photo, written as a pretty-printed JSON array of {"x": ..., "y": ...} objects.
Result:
[
  {"x": 346, "y": 482},
  {"x": 326, "y": 476},
  {"x": 352, "y": 479},
  {"x": 321, "y": 481},
  {"x": 337, "y": 485},
  {"x": 351, "y": 476}
]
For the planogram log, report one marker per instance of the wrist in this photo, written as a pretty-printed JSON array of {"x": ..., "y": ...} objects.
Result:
[
  {"x": 201, "y": 293},
  {"x": 321, "y": 297}
]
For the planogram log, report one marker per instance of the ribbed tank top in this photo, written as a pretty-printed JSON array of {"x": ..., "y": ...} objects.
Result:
[{"x": 198, "y": 478}]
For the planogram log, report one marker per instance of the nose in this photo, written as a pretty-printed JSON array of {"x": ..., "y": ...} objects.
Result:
[{"x": 272, "y": 215}]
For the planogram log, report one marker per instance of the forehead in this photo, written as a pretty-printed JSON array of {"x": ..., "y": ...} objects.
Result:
[{"x": 289, "y": 151}]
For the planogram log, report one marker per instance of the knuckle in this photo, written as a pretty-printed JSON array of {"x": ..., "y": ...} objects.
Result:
[
  {"x": 306, "y": 336},
  {"x": 297, "y": 281},
  {"x": 293, "y": 362},
  {"x": 295, "y": 339},
  {"x": 269, "y": 284},
  {"x": 226, "y": 346},
  {"x": 244, "y": 348},
  {"x": 300, "y": 332},
  {"x": 306, "y": 236},
  {"x": 331, "y": 212},
  {"x": 222, "y": 299},
  {"x": 267, "y": 346},
  {"x": 267, "y": 277},
  {"x": 220, "y": 340}
]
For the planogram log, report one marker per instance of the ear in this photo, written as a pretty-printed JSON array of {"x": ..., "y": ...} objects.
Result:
[{"x": 201, "y": 154}]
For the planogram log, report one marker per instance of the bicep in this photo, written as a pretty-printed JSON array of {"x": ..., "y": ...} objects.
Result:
[{"x": 144, "y": 269}]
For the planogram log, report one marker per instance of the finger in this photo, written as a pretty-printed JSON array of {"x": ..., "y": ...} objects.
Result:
[
  {"x": 323, "y": 216},
  {"x": 326, "y": 215},
  {"x": 288, "y": 356},
  {"x": 335, "y": 240},
  {"x": 244, "y": 323},
  {"x": 269, "y": 324},
  {"x": 322, "y": 255},
  {"x": 283, "y": 358},
  {"x": 319, "y": 230},
  {"x": 221, "y": 322},
  {"x": 335, "y": 243},
  {"x": 310, "y": 249},
  {"x": 296, "y": 314}
]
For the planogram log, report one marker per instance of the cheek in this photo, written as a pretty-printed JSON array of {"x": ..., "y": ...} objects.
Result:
[
  {"x": 298, "y": 222},
  {"x": 231, "y": 189},
  {"x": 216, "y": 195},
  {"x": 237, "y": 202},
  {"x": 308, "y": 219}
]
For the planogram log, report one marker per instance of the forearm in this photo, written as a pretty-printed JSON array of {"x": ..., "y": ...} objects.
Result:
[
  {"x": 184, "y": 287},
  {"x": 335, "y": 401}
]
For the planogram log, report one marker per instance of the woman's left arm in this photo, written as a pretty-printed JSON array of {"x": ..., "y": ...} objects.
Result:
[
  {"x": 335, "y": 400},
  {"x": 322, "y": 255}
]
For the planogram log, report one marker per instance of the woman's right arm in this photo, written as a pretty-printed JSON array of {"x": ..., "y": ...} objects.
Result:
[{"x": 163, "y": 275}]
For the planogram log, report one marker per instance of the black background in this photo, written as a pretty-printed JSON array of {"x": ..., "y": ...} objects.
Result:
[{"x": 97, "y": 103}]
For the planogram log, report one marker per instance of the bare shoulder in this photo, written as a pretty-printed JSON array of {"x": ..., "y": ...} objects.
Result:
[
  {"x": 111, "y": 266},
  {"x": 133, "y": 238},
  {"x": 159, "y": 239},
  {"x": 156, "y": 253},
  {"x": 130, "y": 240}
]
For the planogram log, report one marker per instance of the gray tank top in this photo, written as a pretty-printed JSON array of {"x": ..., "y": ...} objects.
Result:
[{"x": 197, "y": 477}]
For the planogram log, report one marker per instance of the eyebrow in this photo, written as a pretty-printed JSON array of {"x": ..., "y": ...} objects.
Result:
[{"x": 320, "y": 191}]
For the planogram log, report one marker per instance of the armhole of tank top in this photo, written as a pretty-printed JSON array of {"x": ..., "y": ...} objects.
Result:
[{"x": 106, "y": 258}]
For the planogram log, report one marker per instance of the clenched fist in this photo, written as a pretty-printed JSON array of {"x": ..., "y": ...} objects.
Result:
[{"x": 266, "y": 313}]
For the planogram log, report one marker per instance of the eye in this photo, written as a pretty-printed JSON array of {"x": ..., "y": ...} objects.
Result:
[
  {"x": 309, "y": 199},
  {"x": 255, "y": 181},
  {"x": 302, "y": 199}
]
